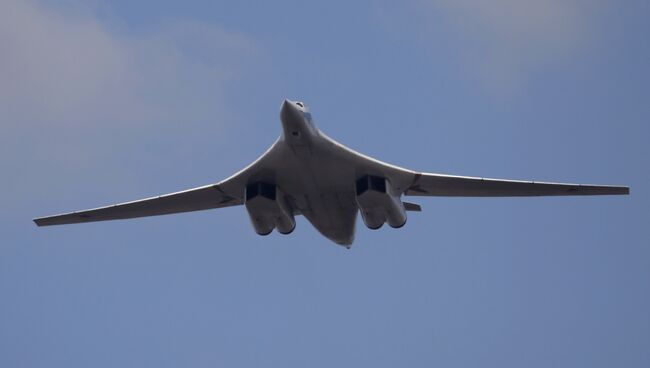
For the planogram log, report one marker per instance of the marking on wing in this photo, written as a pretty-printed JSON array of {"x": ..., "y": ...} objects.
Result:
[
  {"x": 415, "y": 187},
  {"x": 225, "y": 197}
]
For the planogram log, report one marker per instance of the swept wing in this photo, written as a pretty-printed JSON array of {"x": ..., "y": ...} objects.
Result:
[
  {"x": 229, "y": 192},
  {"x": 426, "y": 184}
]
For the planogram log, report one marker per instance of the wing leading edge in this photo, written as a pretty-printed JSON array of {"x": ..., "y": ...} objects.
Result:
[
  {"x": 426, "y": 184},
  {"x": 202, "y": 198},
  {"x": 430, "y": 184},
  {"x": 226, "y": 193}
]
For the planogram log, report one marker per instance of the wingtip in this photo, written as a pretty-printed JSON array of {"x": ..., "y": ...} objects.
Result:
[
  {"x": 42, "y": 221},
  {"x": 39, "y": 222},
  {"x": 622, "y": 190}
]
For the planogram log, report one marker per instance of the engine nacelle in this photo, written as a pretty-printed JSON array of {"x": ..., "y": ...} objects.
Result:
[
  {"x": 378, "y": 204},
  {"x": 268, "y": 209}
]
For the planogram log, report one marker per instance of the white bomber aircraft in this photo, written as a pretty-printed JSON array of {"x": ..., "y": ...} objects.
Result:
[{"x": 308, "y": 173}]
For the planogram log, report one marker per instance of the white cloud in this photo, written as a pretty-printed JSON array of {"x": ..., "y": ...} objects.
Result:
[
  {"x": 70, "y": 69},
  {"x": 75, "y": 92},
  {"x": 506, "y": 41}
]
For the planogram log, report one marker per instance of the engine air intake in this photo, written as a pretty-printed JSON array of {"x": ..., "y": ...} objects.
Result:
[
  {"x": 375, "y": 183},
  {"x": 378, "y": 204},
  {"x": 260, "y": 188},
  {"x": 268, "y": 209}
]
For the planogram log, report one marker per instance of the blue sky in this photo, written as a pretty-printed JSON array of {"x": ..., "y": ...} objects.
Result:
[{"x": 103, "y": 102}]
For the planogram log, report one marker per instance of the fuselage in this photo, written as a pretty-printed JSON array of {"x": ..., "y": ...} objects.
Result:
[{"x": 309, "y": 167}]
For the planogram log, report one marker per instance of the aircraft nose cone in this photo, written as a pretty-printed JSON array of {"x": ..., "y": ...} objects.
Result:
[
  {"x": 286, "y": 105},
  {"x": 288, "y": 110}
]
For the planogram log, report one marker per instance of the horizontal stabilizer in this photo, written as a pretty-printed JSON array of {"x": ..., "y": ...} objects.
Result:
[{"x": 412, "y": 207}]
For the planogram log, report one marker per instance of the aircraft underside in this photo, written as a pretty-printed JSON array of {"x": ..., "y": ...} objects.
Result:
[{"x": 307, "y": 173}]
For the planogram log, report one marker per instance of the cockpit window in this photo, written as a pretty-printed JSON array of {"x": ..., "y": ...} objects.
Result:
[{"x": 300, "y": 104}]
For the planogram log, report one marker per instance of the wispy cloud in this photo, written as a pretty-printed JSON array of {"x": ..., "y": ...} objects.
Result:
[
  {"x": 506, "y": 41},
  {"x": 71, "y": 69},
  {"x": 74, "y": 90}
]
